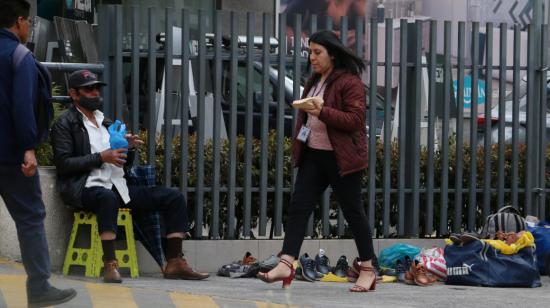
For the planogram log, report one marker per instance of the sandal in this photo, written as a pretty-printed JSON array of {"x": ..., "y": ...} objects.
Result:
[
  {"x": 286, "y": 280},
  {"x": 358, "y": 288}
]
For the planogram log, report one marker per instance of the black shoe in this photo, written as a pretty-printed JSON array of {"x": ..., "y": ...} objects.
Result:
[
  {"x": 341, "y": 267},
  {"x": 468, "y": 237},
  {"x": 51, "y": 297},
  {"x": 308, "y": 268},
  {"x": 322, "y": 262}
]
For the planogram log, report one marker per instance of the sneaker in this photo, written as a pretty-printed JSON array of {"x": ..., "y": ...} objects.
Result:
[
  {"x": 239, "y": 271},
  {"x": 269, "y": 263},
  {"x": 308, "y": 268},
  {"x": 51, "y": 297},
  {"x": 226, "y": 269},
  {"x": 322, "y": 262},
  {"x": 407, "y": 263},
  {"x": 468, "y": 237},
  {"x": 341, "y": 267}
]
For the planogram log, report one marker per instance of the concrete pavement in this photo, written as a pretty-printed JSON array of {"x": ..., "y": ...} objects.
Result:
[{"x": 153, "y": 291}]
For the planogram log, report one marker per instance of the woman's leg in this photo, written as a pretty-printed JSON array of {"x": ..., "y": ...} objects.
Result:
[
  {"x": 311, "y": 181},
  {"x": 348, "y": 192}
]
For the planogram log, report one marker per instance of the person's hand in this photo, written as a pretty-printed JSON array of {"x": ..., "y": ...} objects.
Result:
[
  {"x": 28, "y": 167},
  {"x": 316, "y": 107},
  {"x": 116, "y": 157},
  {"x": 133, "y": 140}
]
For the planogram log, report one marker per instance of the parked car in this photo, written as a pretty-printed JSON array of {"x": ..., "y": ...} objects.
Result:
[
  {"x": 508, "y": 120},
  {"x": 257, "y": 77}
]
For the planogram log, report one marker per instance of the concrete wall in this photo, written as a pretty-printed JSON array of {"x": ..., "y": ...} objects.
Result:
[{"x": 203, "y": 255}]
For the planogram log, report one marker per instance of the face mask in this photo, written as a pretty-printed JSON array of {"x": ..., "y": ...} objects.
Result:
[{"x": 91, "y": 104}]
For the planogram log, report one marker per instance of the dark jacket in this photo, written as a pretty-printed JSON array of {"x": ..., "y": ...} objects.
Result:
[
  {"x": 72, "y": 155},
  {"x": 344, "y": 115},
  {"x": 18, "y": 94}
]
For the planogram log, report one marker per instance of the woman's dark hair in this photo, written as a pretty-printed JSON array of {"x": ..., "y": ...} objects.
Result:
[
  {"x": 343, "y": 57},
  {"x": 11, "y": 10}
]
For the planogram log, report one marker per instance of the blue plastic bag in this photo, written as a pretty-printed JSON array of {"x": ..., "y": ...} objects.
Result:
[
  {"x": 389, "y": 255},
  {"x": 117, "y": 131},
  {"x": 541, "y": 232}
]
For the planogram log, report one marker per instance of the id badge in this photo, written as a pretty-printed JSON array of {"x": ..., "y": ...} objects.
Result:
[{"x": 303, "y": 134}]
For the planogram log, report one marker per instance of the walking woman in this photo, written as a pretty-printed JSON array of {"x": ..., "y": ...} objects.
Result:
[{"x": 330, "y": 149}]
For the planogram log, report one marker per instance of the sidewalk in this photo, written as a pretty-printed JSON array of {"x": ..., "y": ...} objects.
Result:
[{"x": 225, "y": 292}]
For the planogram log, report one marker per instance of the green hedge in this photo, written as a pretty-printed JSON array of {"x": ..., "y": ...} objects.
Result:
[
  {"x": 45, "y": 159},
  {"x": 208, "y": 171}
]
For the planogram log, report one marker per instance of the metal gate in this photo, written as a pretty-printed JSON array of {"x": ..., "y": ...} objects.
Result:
[{"x": 431, "y": 178}]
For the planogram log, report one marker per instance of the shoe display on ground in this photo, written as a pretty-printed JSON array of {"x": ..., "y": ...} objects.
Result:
[
  {"x": 51, "y": 297},
  {"x": 248, "y": 259},
  {"x": 110, "y": 272},
  {"x": 402, "y": 268},
  {"x": 400, "y": 271},
  {"x": 341, "y": 267},
  {"x": 308, "y": 268},
  {"x": 330, "y": 277},
  {"x": 418, "y": 274},
  {"x": 269, "y": 263},
  {"x": 177, "y": 268},
  {"x": 322, "y": 263}
]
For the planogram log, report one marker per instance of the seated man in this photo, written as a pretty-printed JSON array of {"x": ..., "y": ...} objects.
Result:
[{"x": 90, "y": 176}]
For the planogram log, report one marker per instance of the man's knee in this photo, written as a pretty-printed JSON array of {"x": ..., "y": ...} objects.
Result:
[{"x": 171, "y": 196}]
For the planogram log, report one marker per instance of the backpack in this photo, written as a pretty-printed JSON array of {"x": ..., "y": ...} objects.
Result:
[
  {"x": 507, "y": 219},
  {"x": 43, "y": 111}
]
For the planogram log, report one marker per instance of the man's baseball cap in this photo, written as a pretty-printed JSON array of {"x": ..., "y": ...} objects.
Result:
[{"x": 84, "y": 78}]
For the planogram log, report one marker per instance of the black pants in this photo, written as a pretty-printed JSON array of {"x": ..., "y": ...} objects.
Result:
[
  {"x": 23, "y": 199},
  {"x": 318, "y": 170},
  {"x": 168, "y": 201}
]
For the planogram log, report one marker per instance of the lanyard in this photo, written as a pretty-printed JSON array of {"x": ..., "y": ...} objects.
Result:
[
  {"x": 318, "y": 88},
  {"x": 316, "y": 91}
]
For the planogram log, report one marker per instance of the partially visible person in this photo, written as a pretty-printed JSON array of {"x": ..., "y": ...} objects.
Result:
[
  {"x": 329, "y": 148},
  {"x": 19, "y": 181},
  {"x": 90, "y": 176},
  {"x": 326, "y": 9}
]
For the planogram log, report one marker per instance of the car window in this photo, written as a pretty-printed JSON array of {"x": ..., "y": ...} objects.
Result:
[
  {"x": 241, "y": 83},
  {"x": 522, "y": 92}
]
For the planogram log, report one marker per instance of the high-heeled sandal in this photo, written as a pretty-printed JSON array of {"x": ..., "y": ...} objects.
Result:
[
  {"x": 286, "y": 280},
  {"x": 358, "y": 288}
]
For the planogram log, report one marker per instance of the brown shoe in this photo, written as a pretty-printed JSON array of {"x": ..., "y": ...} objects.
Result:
[
  {"x": 248, "y": 259},
  {"x": 110, "y": 272},
  {"x": 418, "y": 271},
  {"x": 177, "y": 268}
]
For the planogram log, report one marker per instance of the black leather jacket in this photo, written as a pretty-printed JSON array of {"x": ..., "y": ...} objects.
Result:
[{"x": 72, "y": 155}]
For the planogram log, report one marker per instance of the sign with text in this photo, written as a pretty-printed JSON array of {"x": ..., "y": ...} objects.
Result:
[{"x": 468, "y": 91}]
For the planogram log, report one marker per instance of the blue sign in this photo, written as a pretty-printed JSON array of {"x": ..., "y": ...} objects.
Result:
[{"x": 468, "y": 91}]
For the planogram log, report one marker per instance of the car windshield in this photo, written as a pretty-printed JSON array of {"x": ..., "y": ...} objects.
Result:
[{"x": 522, "y": 92}]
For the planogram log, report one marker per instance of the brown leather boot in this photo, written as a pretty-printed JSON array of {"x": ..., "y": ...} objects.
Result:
[
  {"x": 177, "y": 268},
  {"x": 110, "y": 272}
]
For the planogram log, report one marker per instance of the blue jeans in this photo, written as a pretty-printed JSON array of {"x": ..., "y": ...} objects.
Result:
[{"x": 23, "y": 199}]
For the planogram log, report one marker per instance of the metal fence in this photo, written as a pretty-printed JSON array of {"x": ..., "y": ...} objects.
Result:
[{"x": 431, "y": 179}]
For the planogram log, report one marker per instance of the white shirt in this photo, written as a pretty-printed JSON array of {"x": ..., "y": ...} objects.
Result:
[{"x": 109, "y": 174}]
